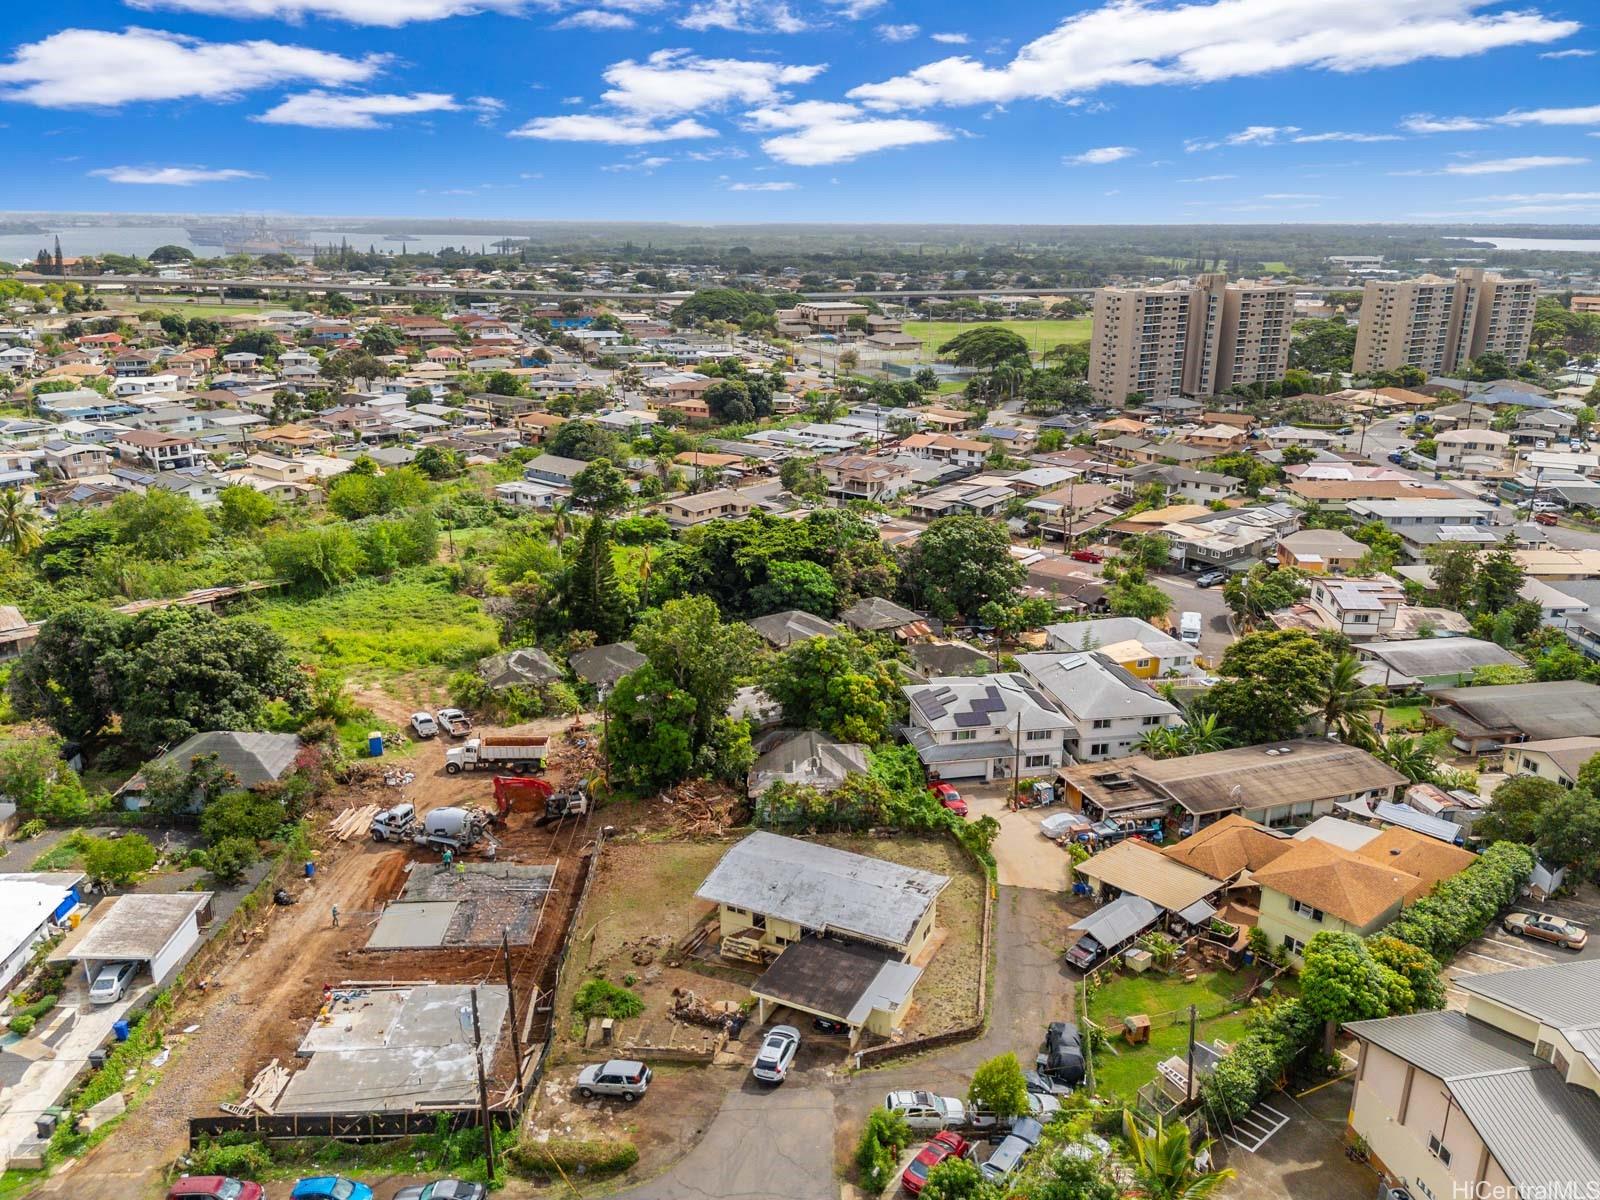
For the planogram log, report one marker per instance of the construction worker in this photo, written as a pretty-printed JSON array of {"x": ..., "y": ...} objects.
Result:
[
  {"x": 336, "y": 916},
  {"x": 449, "y": 858}
]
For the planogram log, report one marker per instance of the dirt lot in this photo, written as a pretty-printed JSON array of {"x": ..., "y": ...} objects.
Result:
[
  {"x": 947, "y": 994},
  {"x": 264, "y": 991}
]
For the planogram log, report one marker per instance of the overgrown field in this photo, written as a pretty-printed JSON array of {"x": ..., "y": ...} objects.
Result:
[
  {"x": 1041, "y": 335},
  {"x": 411, "y": 621}
]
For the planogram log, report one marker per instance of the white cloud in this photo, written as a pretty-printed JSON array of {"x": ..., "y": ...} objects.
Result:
[
  {"x": 611, "y": 130},
  {"x": 1136, "y": 43},
  {"x": 1295, "y": 196},
  {"x": 743, "y": 16},
  {"x": 173, "y": 176},
  {"x": 1252, "y": 135},
  {"x": 1567, "y": 54},
  {"x": 391, "y": 13},
  {"x": 1428, "y": 123},
  {"x": 1100, "y": 155},
  {"x": 646, "y": 165},
  {"x": 1587, "y": 115},
  {"x": 951, "y": 39},
  {"x": 1540, "y": 197},
  {"x": 1207, "y": 178},
  {"x": 670, "y": 82},
  {"x": 855, "y": 10},
  {"x": 1340, "y": 136},
  {"x": 827, "y": 132},
  {"x": 898, "y": 33},
  {"x": 85, "y": 68},
  {"x": 1503, "y": 166},
  {"x": 328, "y": 110},
  {"x": 595, "y": 18},
  {"x": 714, "y": 155},
  {"x": 771, "y": 186}
]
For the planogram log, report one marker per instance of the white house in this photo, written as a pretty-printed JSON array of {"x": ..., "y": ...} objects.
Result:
[
  {"x": 1109, "y": 708},
  {"x": 1358, "y": 608},
  {"x": 985, "y": 727}
]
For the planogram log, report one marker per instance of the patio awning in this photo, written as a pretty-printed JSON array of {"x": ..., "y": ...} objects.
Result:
[
  {"x": 1197, "y": 913},
  {"x": 1125, "y": 917}
]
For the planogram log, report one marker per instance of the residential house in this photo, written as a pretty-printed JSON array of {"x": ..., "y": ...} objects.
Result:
[
  {"x": 1231, "y": 538},
  {"x": 1109, "y": 708},
  {"x": 1136, "y": 646},
  {"x": 874, "y": 614},
  {"x": 1281, "y": 437},
  {"x": 684, "y": 511},
  {"x": 1559, "y": 759},
  {"x": 1432, "y": 662},
  {"x": 782, "y": 629},
  {"x": 522, "y": 493},
  {"x": 966, "y": 453},
  {"x": 1319, "y": 551},
  {"x": 1136, "y": 868},
  {"x": 986, "y": 727},
  {"x": 293, "y": 439},
  {"x": 1226, "y": 849},
  {"x": 1184, "y": 484},
  {"x": 554, "y": 470},
  {"x": 979, "y": 499},
  {"x": 1361, "y": 609},
  {"x": 1219, "y": 439},
  {"x": 74, "y": 460},
  {"x": 1425, "y": 523},
  {"x": 1458, "y": 448},
  {"x": 1315, "y": 887},
  {"x": 1500, "y": 1100},
  {"x": 162, "y": 451},
  {"x": 1336, "y": 495},
  {"x": 806, "y": 759},
  {"x": 1485, "y": 719},
  {"x": 859, "y": 477}
]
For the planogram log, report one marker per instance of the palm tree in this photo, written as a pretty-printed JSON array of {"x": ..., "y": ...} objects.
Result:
[
  {"x": 1407, "y": 756},
  {"x": 1203, "y": 736},
  {"x": 18, "y": 527},
  {"x": 1343, "y": 701},
  {"x": 1166, "y": 1166},
  {"x": 1164, "y": 741},
  {"x": 560, "y": 519}
]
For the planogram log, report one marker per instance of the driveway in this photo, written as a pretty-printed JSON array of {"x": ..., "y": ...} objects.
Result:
[
  {"x": 1305, "y": 1159},
  {"x": 762, "y": 1143},
  {"x": 1215, "y": 635},
  {"x": 1498, "y": 950},
  {"x": 1024, "y": 857}
]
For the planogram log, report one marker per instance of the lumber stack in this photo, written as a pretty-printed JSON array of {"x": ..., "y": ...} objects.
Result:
[{"x": 353, "y": 822}]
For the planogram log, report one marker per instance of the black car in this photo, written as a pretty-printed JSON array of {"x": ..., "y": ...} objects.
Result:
[
  {"x": 1211, "y": 579},
  {"x": 828, "y": 1025},
  {"x": 1061, "y": 1056}
]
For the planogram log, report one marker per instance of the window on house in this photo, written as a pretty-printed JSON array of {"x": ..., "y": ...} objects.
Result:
[
  {"x": 1149, "y": 721},
  {"x": 1036, "y": 760},
  {"x": 1102, "y": 723},
  {"x": 758, "y": 921},
  {"x": 1305, "y": 910},
  {"x": 1293, "y": 944},
  {"x": 1439, "y": 1150},
  {"x": 1099, "y": 748},
  {"x": 963, "y": 735},
  {"x": 1039, "y": 735}
]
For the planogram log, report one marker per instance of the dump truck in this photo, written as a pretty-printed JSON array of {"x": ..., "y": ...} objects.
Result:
[
  {"x": 507, "y": 752},
  {"x": 443, "y": 828}
]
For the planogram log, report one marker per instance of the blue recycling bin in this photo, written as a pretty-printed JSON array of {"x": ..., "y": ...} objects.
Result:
[
  {"x": 311, "y": 868},
  {"x": 119, "y": 1030},
  {"x": 375, "y": 744}
]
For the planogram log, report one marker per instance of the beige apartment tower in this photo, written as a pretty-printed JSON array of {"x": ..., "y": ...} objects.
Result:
[
  {"x": 1439, "y": 325},
  {"x": 1183, "y": 338}
]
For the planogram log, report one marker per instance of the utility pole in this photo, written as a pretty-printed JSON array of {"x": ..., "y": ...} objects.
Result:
[
  {"x": 1188, "y": 1082},
  {"x": 511, "y": 996},
  {"x": 483, "y": 1092},
  {"x": 1016, "y": 761}
]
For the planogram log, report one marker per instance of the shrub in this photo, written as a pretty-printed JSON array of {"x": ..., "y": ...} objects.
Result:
[
  {"x": 242, "y": 1160},
  {"x": 242, "y": 816},
  {"x": 590, "y": 1158},
  {"x": 1460, "y": 908},
  {"x": 1161, "y": 948},
  {"x": 231, "y": 857},
  {"x": 998, "y": 1086},
  {"x": 21, "y": 1024},
  {"x": 30, "y": 829},
  {"x": 601, "y": 998},
  {"x": 883, "y": 1137},
  {"x": 119, "y": 861},
  {"x": 1280, "y": 1037}
]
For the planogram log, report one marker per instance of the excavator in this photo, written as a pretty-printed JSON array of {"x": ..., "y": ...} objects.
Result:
[{"x": 515, "y": 791}]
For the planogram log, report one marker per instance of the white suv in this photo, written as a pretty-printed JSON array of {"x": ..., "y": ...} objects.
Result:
[{"x": 924, "y": 1111}]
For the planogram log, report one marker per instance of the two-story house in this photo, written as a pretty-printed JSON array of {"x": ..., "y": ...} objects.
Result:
[
  {"x": 966, "y": 453},
  {"x": 861, "y": 477},
  {"x": 1109, "y": 708},
  {"x": 1136, "y": 646},
  {"x": 163, "y": 451},
  {"x": 1360, "y": 609},
  {"x": 1457, "y": 448},
  {"x": 985, "y": 727},
  {"x": 1500, "y": 1100},
  {"x": 1425, "y": 523},
  {"x": 719, "y": 503}
]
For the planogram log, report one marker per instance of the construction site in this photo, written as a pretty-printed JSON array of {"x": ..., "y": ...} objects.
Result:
[{"x": 444, "y": 901}]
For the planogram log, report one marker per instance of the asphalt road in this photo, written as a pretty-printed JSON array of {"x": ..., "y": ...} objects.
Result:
[{"x": 1215, "y": 634}]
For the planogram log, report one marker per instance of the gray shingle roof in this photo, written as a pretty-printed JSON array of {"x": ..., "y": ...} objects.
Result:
[
  {"x": 1569, "y": 708},
  {"x": 253, "y": 758},
  {"x": 1441, "y": 655},
  {"x": 820, "y": 888},
  {"x": 794, "y": 625},
  {"x": 874, "y": 613},
  {"x": 603, "y": 666}
]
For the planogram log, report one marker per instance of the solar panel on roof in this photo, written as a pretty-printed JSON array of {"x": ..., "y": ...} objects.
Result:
[{"x": 968, "y": 720}]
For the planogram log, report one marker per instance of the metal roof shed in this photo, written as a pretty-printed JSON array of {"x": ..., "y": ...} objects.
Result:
[
  {"x": 1124, "y": 918},
  {"x": 1407, "y": 817}
]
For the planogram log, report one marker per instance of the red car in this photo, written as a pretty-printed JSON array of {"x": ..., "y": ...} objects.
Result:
[
  {"x": 943, "y": 1145},
  {"x": 1545, "y": 518},
  {"x": 214, "y": 1187},
  {"x": 1092, "y": 556},
  {"x": 949, "y": 798}
]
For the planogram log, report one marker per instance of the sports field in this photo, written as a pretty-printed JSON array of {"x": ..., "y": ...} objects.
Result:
[{"x": 1041, "y": 335}]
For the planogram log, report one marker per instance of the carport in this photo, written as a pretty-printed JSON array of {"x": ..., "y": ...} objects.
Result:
[
  {"x": 157, "y": 932},
  {"x": 1112, "y": 927},
  {"x": 862, "y": 987}
]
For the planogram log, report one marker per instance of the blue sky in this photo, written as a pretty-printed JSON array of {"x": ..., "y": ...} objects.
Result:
[{"x": 838, "y": 110}]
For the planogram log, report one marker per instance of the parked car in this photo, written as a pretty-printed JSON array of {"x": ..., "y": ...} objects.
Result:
[
  {"x": 1546, "y": 518},
  {"x": 1063, "y": 826},
  {"x": 454, "y": 722},
  {"x": 1040, "y": 1109},
  {"x": 1005, "y": 1159},
  {"x": 111, "y": 982},
  {"x": 949, "y": 798},
  {"x": 1088, "y": 556},
  {"x": 925, "y": 1111},
  {"x": 1211, "y": 579},
  {"x": 330, "y": 1187},
  {"x": 423, "y": 725},
  {"x": 777, "y": 1053},
  {"x": 1346, "y": 430},
  {"x": 829, "y": 1026},
  {"x": 1085, "y": 953},
  {"x": 1061, "y": 1056},
  {"x": 444, "y": 1189},
  {"x": 1043, "y": 1085},
  {"x": 214, "y": 1187},
  {"x": 1546, "y": 928},
  {"x": 1546, "y": 506},
  {"x": 944, "y": 1144},
  {"x": 623, "y": 1077}
]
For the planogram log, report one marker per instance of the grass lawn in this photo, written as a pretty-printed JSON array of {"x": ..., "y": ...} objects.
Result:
[
  {"x": 411, "y": 621},
  {"x": 947, "y": 994},
  {"x": 1041, "y": 335},
  {"x": 1165, "y": 1000},
  {"x": 1399, "y": 717}
]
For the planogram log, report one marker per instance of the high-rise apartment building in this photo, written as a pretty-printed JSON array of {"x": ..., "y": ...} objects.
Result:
[
  {"x": 1439, "y": 325},
  {"x": 1183, "y": 338}
]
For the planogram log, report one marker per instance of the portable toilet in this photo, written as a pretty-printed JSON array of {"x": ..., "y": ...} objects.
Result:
[{"x": 375, "y": 744}]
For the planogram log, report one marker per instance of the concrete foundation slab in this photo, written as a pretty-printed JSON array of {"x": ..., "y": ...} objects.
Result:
[{"x": 413, "y": 926}]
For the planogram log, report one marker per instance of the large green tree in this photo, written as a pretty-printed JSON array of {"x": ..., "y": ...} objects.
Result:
[
  {"x": 160, "y": 524},
  {"x": 985, "y": 346},
  {"x": 1270, "y": 681},
  {"x": 1165, "y": 1162},
  {"x": 593, "y": 597},
  {"x": 600, "y": 487},
  {"x": 838, "y": 685},
  {"x": 998, "y": 1086},
  {"x": 689, "y": 644},
  {"x": 961, "y": 563},
  {"x": 1568, "y": 832},
  {"x": 651, "y": 719},
  {"x": 1341, "y": 981},
  {"x": 68, "y": 677},
  {"x": 1516, "y": 807}
]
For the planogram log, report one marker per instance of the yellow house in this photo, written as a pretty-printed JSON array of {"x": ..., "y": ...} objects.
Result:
[
  {"x": 1501, "y": 1100},
  {"x": 1316, "y": 887},
  {"x": 850, "y": 932}
]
